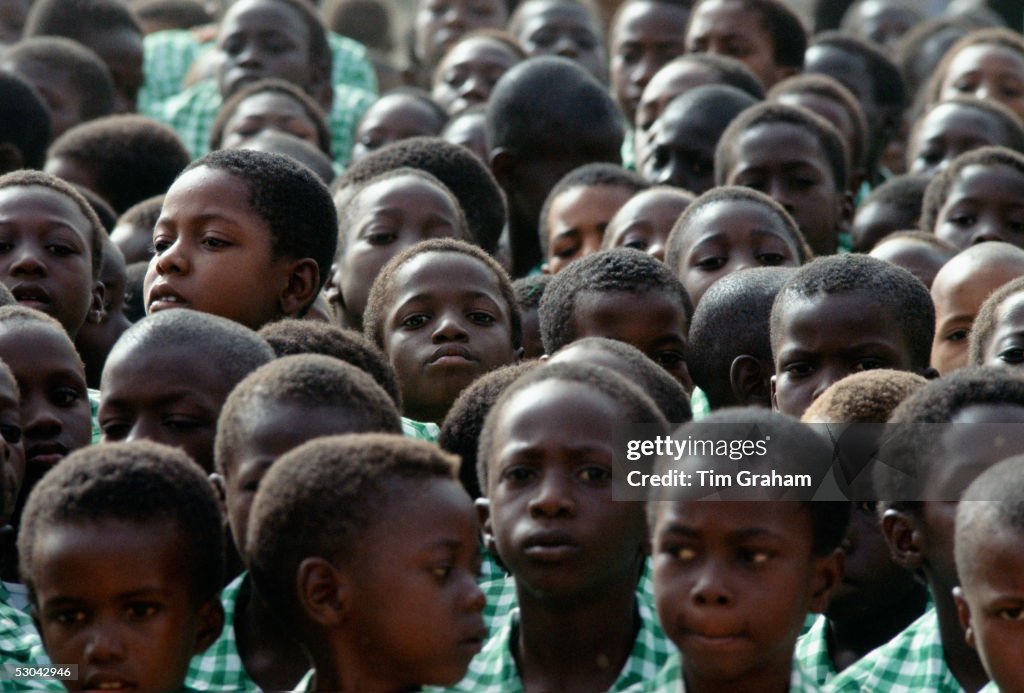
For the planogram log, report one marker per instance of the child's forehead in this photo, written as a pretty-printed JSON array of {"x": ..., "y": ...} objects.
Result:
[
  {"x": 776, "y": 140},
  {"x": 996, "y": 55},
  {"x": 41, "y": 202},
  {"x": 724, "y": 215},
  {"x": 406, "y": 188},
  {"x": 439, "y": 268},
  {"x": 735, "y": 520},
  {"x": 541, "y": 409},
  {"x": 985, "y": 180},
  {"x": 22, "y": 337}
]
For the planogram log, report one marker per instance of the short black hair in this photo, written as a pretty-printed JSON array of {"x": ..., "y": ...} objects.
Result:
[
  {"x": 789, "y": 36},
  {"x": 366, "y": 21},
  {"x": 104, "y": 212},
  {"x": 24, "y": 122},
  {"x": 322, "y": 497},
  {"x": 313, "y": 381},
  {"x": 460, "y": 431},
  {"x": 418, "y": 96},
  {"x": 994, "y": 503},
  {"x": 731, "y": 72},
  {"x": 888, "y": 87},
  {"x": 77, "y": 19},
  {"x": 281, "y": 87},
  {"x": 181, "y": 14},
  {"x": 637, "y": 367},
  {"x": 732, "y": 319},
  {"x": 899, "y": 295},
  {"x": 586, "y": 176},
  {"x": 831, "y": 142},
  {"x": 994, "y": 36},
  {"x": 618, "y": 269},
  {"x": 136, "y": 240},
  {"x": 984, "y": 326},
  {"x": 293, "y": 202},
  {"x": 790, "y": 440},
  {"x": 293, "y": 336},
  {"x": 129, "y": 157},
  {"x": 16, "y": 314},
  {"x": 636, "y": 406},
  {"x": 865, "y": 397},
  {"x": 938, "y": 189},
  {"x": 82, "y": 65},
  {"x": 382, "y": 294},
  {"x": 459, "y": 169},
  {"x": 26, "y": 179},
  {"x": 529, "y": 290},
  {"x": 142, "y": 483},
  {"x": 675, "y": 246},
  {"x": 291, "y": 146},
  {"x": 1007, "y": 120},
  {"x": 929, "y": 239},
  {"x": 143, "y": 213},
  {"x": 905, "y": 193}
]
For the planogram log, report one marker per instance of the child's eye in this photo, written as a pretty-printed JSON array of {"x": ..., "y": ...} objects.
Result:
[
  {"x": 771, "y": 259},
  {"x": 668, "y": 359},
  {"x": 214, "y": 242},
  {"x": 60, "y": 250},
  {"x": 160, "y": 245},
  {"x": 958, "y": 335},
  {"x": 379, "y": 238},
  {"x": 1015, "y": 225},
  {"x": 754, "y": 556},
  {"x": 1011, "y": 614},
  {"x": 142, "y": 610},
  {"x": 869, "y": 364},
  {"x": 10, "y": 432},
  {"x": 963, "y": 220},
  {"x": 1012, "y": 355},
  {"x": 65, "y": 396},
  {"x": 710, "y": 264},
  {"x": 798, "y": 370},
  {"x": 67, "y": 617},
  {"x": 567, "y": 252},
  {"x": 180, "y": 423},
  {"x": 6, "y": 246},
  {"x": 414, "y": 321},
  {"x": 519, "y": 474},
  {"x": 481, "y": 318},
  {"x": 638, "y": 243},
  {"x": 683, "y": 553},
  {"x": 442, "y": 572},
  {"x": 114, "y": 430},
  {"x": 594, "y": 474}
]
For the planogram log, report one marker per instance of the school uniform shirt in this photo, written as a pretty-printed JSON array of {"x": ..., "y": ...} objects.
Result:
[
  {"x": 20, "y": 646},
  {"x": 421, "y": 430},
  {"x": 670, "y": 679},
  {"x": 812, "y": 652},
  {"x": 910, "y": 662},
  {"x": 990, "y": 687},
  {"x": 220, "y": 667},
  {"x": 306, "y": 683}
]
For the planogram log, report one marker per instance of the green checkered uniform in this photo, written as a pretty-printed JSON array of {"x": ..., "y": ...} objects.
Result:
[
  {"x": 220, "y": 667},
  {"x": 20, "y": 646},
  {"x": 812, "y": 652},
  {"x": 699, "y": 404},
  {"x": 670, "y": 679},
  {"x": 990, "y": 687},
  {"x": 909, "y": 663},
  {"x": 490, "y": 570},
  {"x": 421, "y": 430}
]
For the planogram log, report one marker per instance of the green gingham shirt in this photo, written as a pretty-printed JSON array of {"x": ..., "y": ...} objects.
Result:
[
  {"x": 670, "y": 679},
  {"x": 220, "y": 667},
  {"x": 20, "y": 646},
  {"x": 812, "y": 652},
  {"x": 990, "y": 687},
  {"x": 421, "y": 430},
  {"x": 909, "y": 663},
  {"x": 699, "y": 404}
]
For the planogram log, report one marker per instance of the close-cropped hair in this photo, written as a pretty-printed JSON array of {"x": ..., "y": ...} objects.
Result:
[
  {"x": 283, "y": 88},
  {"x": 828, "y": 138},
  {"x": 312, "y": 381},
  {"x": 618, "y": 269},
  {"x": 382, "y": 294},
  {"x": 729, "y": 71},
  {"x": 900, "y": 296},
  {"x": 1008, "y": 121},
  {"x": 993, "y": 503},
  {"x": 865, "y": 397},
  {"x": 984, "y": 326},
  {"x": 320, "y": 500},
  {"x": 24, "y": 122},
  {"x": 993, "y": 36},
  {"x": 141, "y": 483},
  {"x": 889, "y": 89},
  {"x": 530, "y": 289},
  {"x": 938, "y": 190},
  {"x": 499, "y": 36},
  {"x": 77, "y": 19}
]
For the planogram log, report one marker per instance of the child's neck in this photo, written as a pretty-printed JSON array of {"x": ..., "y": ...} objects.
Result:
[
  {"x": 575, "y": 644},
  {"x": 272, "y": 658},
  {"x": 962, "y": 660},
  {"x": 851, "y": 639},
  {"x": 772, "y": 678}
]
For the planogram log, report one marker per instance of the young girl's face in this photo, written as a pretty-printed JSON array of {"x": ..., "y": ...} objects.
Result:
[
  {"x": 576, "y": 222},
  {"x": 985, "y": 203},
  {"x": 645, "y": 221},
  {"x": 988, "y": 72},
  {"x": 732, "y": 29},
  {"x": 469, "y": 71},
  {"x": 46, "y": 254},
  {"x": 268, "y": 111},
  {"x": 393, "y": 118}
]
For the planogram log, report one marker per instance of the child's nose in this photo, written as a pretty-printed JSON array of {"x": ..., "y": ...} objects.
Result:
[
  {"x": 28, "y": 261},
  {"x": 40, "y": 421},
  {"x": 710, "y": 588},
  {"x": 172, "y": 260},
  {"x": 450, "y": 328},
  {"x": 104, "y": 645},
  {"x": 553, "y": 498}
]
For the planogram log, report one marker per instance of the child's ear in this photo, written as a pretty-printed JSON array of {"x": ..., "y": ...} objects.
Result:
[
  {"x": 483, "y": 513},
  {"x": 775, "y": 397},
  {"x": 751, "y": 382},
  {"x": 97, "y": 306},
  {"x": 323, "y": 591},
  {"x": 828, "y": 572},
  {"x": 503, "y": 164},
  {"x": 210, "y": 624},
  {"x": 904, "y": 537},
  {"x": 302, "y": 287},
  {"x": 963, "y": 612},
  {"x": 219, "y": 486}
]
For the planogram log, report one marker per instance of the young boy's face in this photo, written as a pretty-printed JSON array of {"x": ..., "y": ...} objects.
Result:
[
  {"x": 12, "y": 450},
  {"x": 1006, "y": 345},
  {"x": 576, "y": 222},
  {"x": 985, "y": 203},
  {"x": 468, "y": 73},
  {"x": 987, "y": 71},
  {"x": 654, "y": 322},
  {"x": 268, "y": 111},
  {"x": 168, "y": 395},
  {"x": 440, "y": 23},
  {"x": 730, "y": 236},
  {"x": 209, "y": 245},
  {"x": 733, "y": 582},
  {"x": 449, "y": 324},
  {"x": 681, "y": 149},
  {"x": 115, "y": 598},
  {"x": 876, "y": 219},
  {"x": 674, "y": 79},
  {"x": 786, "y": 162},
  {"x": 645, "y": 36},
  {"x": 393, "y": 118},
  {"x": 391, "y": 216},
  {"x": 551, "y": 513},
  {"x": 46, "y": 254},
  {"x": 565, "y": 29},
  {"x": 828, "y": 337},
  {"x": 645, "y": 221},
  {"x": 55, "y": 414},
  {"x": 731, "y": 28},
  {"x": 948, "y": 131},
  {"x": 416, "y": 609}
]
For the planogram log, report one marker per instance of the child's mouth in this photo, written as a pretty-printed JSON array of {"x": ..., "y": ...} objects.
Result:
[{"x": 450, "y": 354}]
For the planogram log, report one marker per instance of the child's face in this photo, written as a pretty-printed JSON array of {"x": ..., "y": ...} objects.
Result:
[
  {"x": 440, "y": 23},
  {"x": 958, "y": 295},
  {"x": 468, "y": 73},
  {"x": 168, "y": 395},
  {"x": 876, "y": 219},
  {"x": 551, "y": 513},
  {"x": 268, "y": 111},
  {"x": 947, "y": 132},
  {"x": 55, "y": 413},
  {"x": 259, "y": 39},
  {"x": 730, "y": 236},
  {"x": 674, "y": 79},
  {"x": 114, "y": 597},
  {"x": 645, "y": 221},
  {"x": 645, "y": 36},
  {"x": 46, "y": 254},
  {"x": 568, "y": 30},
  {"x": 12, "y": 450},
  {"x": 134, "y": 242},
  {"x": 831, "y": 110},
  {"x": 787, "y": 163},
  {"x": 391, "y": 216},
  {"x": 414, "y": 573},
  {"x": 733, "y": 583},
  {"x": 921, "y": 259},
  {"x": 732, "y": 29},
  {"x": 681, "y": 149},
  {"x": 990, "y": 604},
  {"x": 209, "y": 245},
  {"x": 393, "y": 118},
  {"x": 654, "y": 322},
  {"x": 987, "y": 71},
  {"x": 448, "y": 325},
  {"x": 985, "y": 203},
  {"x": 57, "y": 87},
  {"x": 576, "y": 222},
  {"x": 826, "y": 338},
  {"x": 1006, "y": 346}
]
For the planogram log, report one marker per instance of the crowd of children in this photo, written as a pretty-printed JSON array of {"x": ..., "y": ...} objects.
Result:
[{"x": 333, "y": 345}]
